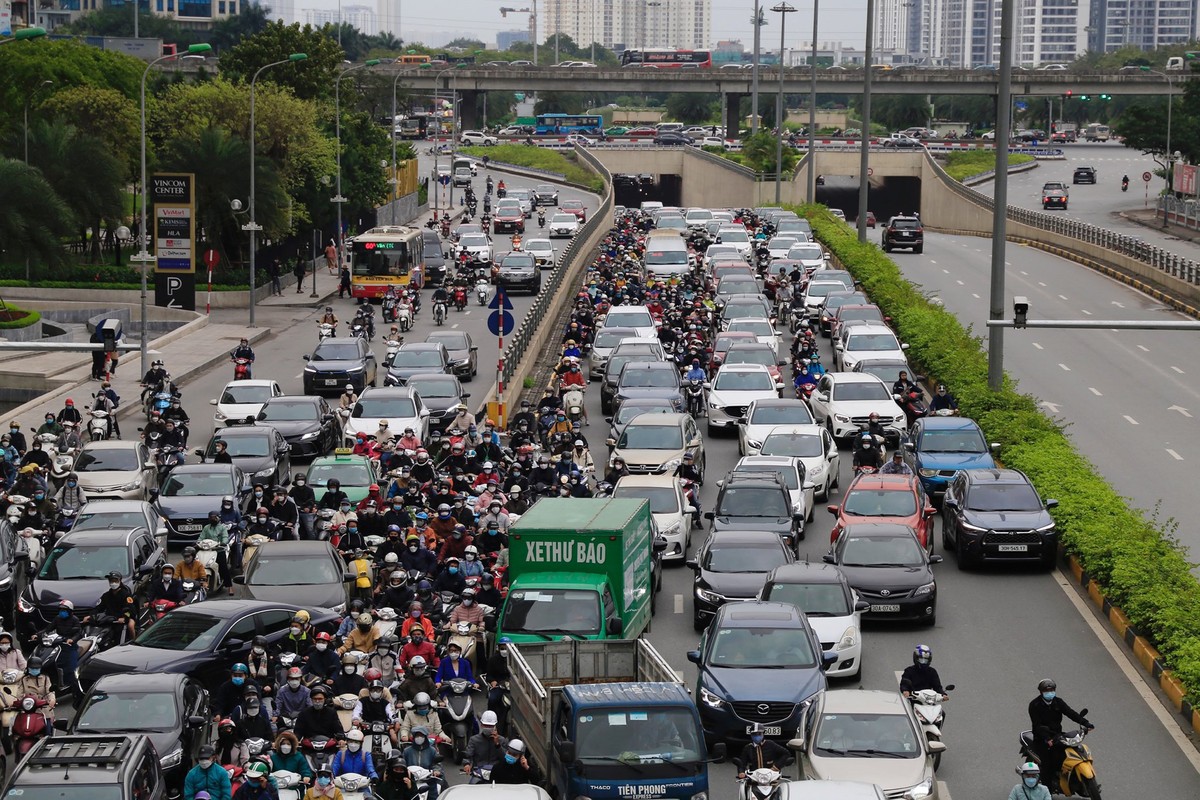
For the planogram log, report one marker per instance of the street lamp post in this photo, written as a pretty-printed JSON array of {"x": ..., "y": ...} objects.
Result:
[
  {"x": 1167, "y": 156},
  {"x": 338, "y": 200},
  {"x": 812, "y": 110},
  {"x": 783, "y": 9},
  {"x": 143, "y": 255},
  {"x": 864, "y": 153},
  {"x": 252, "y": 226},
  {"x": 758, "y": 23}
]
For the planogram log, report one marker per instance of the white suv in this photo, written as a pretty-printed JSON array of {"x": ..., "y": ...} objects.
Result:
[
  {"x": 843, "y": 402},
  {"x": 478, "y": 138}
]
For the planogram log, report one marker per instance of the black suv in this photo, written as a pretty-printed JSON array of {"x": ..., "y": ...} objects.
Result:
[
  {"x": 435, "y": 258},
  {"x": 1084, "y": 175},
  {"x": 519, "y": 270},
  {"x": 121, "y": 766},
  {"x": 903, "y": 232},
  {"x": 996, "y": 514},
  {"x": 757, "y": 502},
  {"x": 337, "y": 362}
]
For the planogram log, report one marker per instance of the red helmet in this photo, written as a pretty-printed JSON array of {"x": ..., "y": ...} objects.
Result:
[
  {"x": 225, "y": 723},
  {"x": 373, "y": 674},
  {"x": 324, "y": 637},
  {"x": 374, "y": 487}
]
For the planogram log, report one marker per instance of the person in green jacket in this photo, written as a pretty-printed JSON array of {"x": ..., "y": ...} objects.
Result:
[
  {"x": 207, "y": 776},
  {"x": 286, "y": 755}
]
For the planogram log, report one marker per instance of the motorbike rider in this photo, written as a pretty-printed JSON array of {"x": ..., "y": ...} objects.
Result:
[
  {"x": 696, "y": 372},
  {"x": 306, "y": 502},
  {"x": 487, "y": 747},
  {"x": 421, "y": 715},
  {"x": 417, "y": 679},
  {"x": 230, "y": 693},
  {"x": 286, "y": 755},
  {"x": 396, "y": 783},
  {"x": 322, "y": 659},
  {"x": 319, "y": 718},
  {"x": 943, "y": 400},
  {"x": 283, "y": 508},
  {"x": 67, "y": 626},
  {"x": 118, "y": 603},
  {"x": 329, "y": 318},
  {"x": 1030, "y": 786},
  {"x": 36, "y": 682},
  {"x": 348, "y": 398},
  {"x": 69, "y": 413},
  {"x": 221, "y": 453},
  {"x": 903, "y": 385},
  {"x": 353, "y": 759},
  {"x": 71, "y": 496},
  {"x": 687, "y": 469},
  {"x": 154, "y": 378},
  {"x": 1046, "y": 712},
  {"x": 207, "y": 777},
  {"x": 921, "y": 675},
  {"x": 422, "y": 753},
  {"x": 293, "y": 696},
  {"x": 299, "y": 639},
  {"x": 106, "y": 400},
  {"x": 896, "y": 466},
  {"x": 363, "y": 637},
  {"x": 454, "y": 667},
  {"x": 69, "y": 438},
  {"x": 761, "y": 752},
  {"x": 374, "y": 706},
  {"x": 866, "y": 453},
  {"x": 190, "y": 568},
  {"x": 175, "y": 413},
  {"x": 1124, "y": 182},
  {"x": 257, "y": 785},
  {"x": 10, "y": 655},
  {"x": 323, "y": 788},
  {"x": 167, "y": 587},
  {"x": 49, "y": 425},
  {"x": 347, "y": 680},
  {"x": 515, "y": 768}
]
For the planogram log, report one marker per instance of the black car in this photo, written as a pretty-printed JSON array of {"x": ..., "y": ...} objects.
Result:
[
  {"x": 546, "y": 194},
  {"x": 671, "y": 138},
  {"x": 640, "y": 380},
  {"x": 732, "y": 565},
  {"x": 416, "y": 357},
  {"x": 758, "y": 502},
  {"x": 307, "y": 423},
  {"x": 997, "y": 515},
  {"x": 203, "y": 641},
  {"x": 464, "y": 355},
  {"x": 337, "y": 362},
  {"x": 14, "y": 569},
  {"x": 435, "y": 257},
  {"x": 1084, "y": 174},
  {"x": 77, "y": 567},
  {"x": 308, "y": 573},
  {"x": 889, "y": 569},
  {"x": 1054, "y": 198},
  {"x": 171, "y": 709},
  {"x": 190, "y": 492},
  {"x": 442, "y": 394},
  {"x": 612, "y": 374},
  {"x": 903, "y": 232},
  {"x": 519, "y": 270},
  {"x": 259, "y": 451},
  {"x": 119, "y": 766}
]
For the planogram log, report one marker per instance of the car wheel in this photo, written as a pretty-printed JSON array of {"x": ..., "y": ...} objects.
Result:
[
  {"x": 698, "y": 624},
  {"x": 946, "y": 543}
]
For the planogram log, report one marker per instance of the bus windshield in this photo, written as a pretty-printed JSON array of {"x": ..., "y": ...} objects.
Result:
[{"x": 379, "y": 259}]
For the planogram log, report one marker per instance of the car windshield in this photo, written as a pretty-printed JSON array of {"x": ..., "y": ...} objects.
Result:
[
  {"x": 745, "y": 308},
  {"x": 508, "y": 208},
  {"x": 609, "y": 338},
  {"x": 198, "y": 484},
  {"x": 336, "y": 351},
  {"x": 969, "y": 441},
  {"x": 565, "y": 611},
  {"x": 418, "y": 358},
  {"x": 754, "y": 355},
  {"x": 1004, "y": 497},
  {"x": 651, "y": 437},
  {"x": 384, "y": 408},
  {"x": 822, "y": 289},
  {"x": 517, "y": 260},
  {"x": 243, "y": 446},
  {"x": 753, "y": 501},
  {"x": 759, "y": 327},
  {"x": 861, "y": 315},
  {"x": 69, "y": 562},
  {"x": 630, "y": 409},
  {"x": 633, "y": 318},
  {"x": 743, "y": 558},
  {"x": 633, "y": 735},
  {"x": 790, "y": 414},
  {"x": 103, "y": 520},
  {"x": 733, "y": 235},
  {"x": 905, "y": 224},
  {"x": 796, "y": 445},
  {"x": 188, "y": 629},
  {"x": 738, "y": 381},
  {"x": 293, "y": 570},
  {"x": 56, "y": 791},
  {"x": 435, "y": 388},
  {"x": 806, "y": 252},
  {"x": 662, "y": 500},
  {"x": 762, "y": 648},
  {"x": 791, "y": 478},
  {"x": 474, "y": 240},
  {"x": 349, "y": 473},
  {"x": 882, "y": 551},
  {"x": 539, "y": 246},
  {"x": 564, "y": 219},
  {"x": 288, "y": 412},
  {"x": 649, "y": 379},
  {"x": 613, "y": 369},
  {"x": 662, "y": 258},
  {"x": 814, "y": 599},
  {"x": 781, "y": 243},
  {"x": 116, "y": 459},
  {"x": 866, "y": 735},
  {"x": 235, "y": 394},
  {"x": 720, "y": 249},
  {"x": 871, "y": 341},
  {"x": 543, "y": 188},
  {"x": 128, "y": 711},
  {"x": 861, "y": 391},
  {"x": 880, "y": 503},
  {"x": 737, "y": 284}
]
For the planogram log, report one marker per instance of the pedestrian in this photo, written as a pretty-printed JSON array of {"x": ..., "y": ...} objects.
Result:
[
  {"x": 299, "y": 270},
  {"x": 344, "y": 282},
  {"x": 331, "y": 257},
  {"x": 273, "y": 272}
]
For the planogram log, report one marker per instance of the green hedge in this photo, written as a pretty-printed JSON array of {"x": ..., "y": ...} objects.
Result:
[
  {"x": 24, "y": 317},
  {"x": 968, "y": 163},
  {"x": 1136, "y": 561},
  {"x": 543, "y": 158}
]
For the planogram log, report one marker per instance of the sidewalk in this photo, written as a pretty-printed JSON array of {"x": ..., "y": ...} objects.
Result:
[{"x": 1152, "y": 218}]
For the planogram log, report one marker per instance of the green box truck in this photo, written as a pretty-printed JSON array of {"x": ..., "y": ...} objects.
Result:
[
  {"x": 579, "y": 568},
  {"x": 608, "y": 720}
]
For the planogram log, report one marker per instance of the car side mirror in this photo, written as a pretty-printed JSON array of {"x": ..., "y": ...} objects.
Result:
[
  {"x": 929, "y": 511},
  {"x": 608, "y": 420},
  {"x": 828, "y": 558},
  {"x": 950, "y": 502},
  {"x": 934, "y": 746},
  {"x": 692, "y": 563},
  {"x": 1051, "y": 504},
  {"x": 234, "y": 644},
  {"x": 709, "y": 515},
  {"x": 465, "y": 395},
  {"x": 835, "y": 510},
  {"x": 904, "y": 345},
  {"x": 306, "y": 358},
  {"x": 197, "y": 721},
  {"x": 909, "y": 446},
  {"x": 615, "y": 626},
  {"x": 63, "y": 725},
  {"x": 212, "y": 402},
  {"x": 693, "y": 656},
  {"x": 862, "y": 605},
  {"x": 796, "y": 744},
  {"x": 566, "y": 752},
  {"x": 474, "y": 348},
  {"x": 199, "y": 451},
  {"x": 935, "y": 559},
  {"x": 822, "y": 397},
  {"x": 828, "y": 659}
]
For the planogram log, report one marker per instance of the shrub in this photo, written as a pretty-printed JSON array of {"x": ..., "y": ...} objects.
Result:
[
  {"x": 13, "y": 317},
  {"x": 968, "y": 163},
  {"x": 542, "y": 158}
]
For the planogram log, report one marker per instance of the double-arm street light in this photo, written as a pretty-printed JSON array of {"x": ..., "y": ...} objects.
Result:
[
  {"x": 337, "y": 104},
  {"x": 252, "y": 226},
  {"x": 143, "y": 255},
  {"x": 783, "y": 9}
]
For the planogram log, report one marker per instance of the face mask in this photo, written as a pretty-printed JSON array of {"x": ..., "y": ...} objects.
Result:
[
  {"x": 756, "y": 739},
  {"x": 1048, "y": 696},
  {"x": 205, "y": 763},
  {"x": 353, "y": 747},
  {"x": 39, "y": 496},
  {"x": 168, "y": 577},
  {"x": 457, "y": 535},
  {"x": 1031, "y": 782},
  {"x": 294, "y": 683},
  {"x": 452, "y": 570},
  {"x": 4, "y": 648},
  {"x": 375, "y": 695},
  {"x": 285, "y": 749},
  {"x": 34, "y": 672},
  {"x": 72, "y": 483},
  {"x": 344, "y": 508},
  {"x": 509, "y": 758},
  {"x": 323, "y": 781},
  {"x": 238, "y": 680},
  {"x": 64, "y": 614},
  {"x": 299, "y": 481},
  {"x": 471, "y": 556},
  {"x": 412, "y": 548},
  {"x": 349, "y": 670},
  {"x": 467, "y": 601},
  {"x": 318, "y": 704},
  {"x": 455, "y": 656},
  {"x": 258, "y": 651},
  {"x": 295, "y": 630},
  {"x": 322, "y": 647},
  {"x": 383, "y": 651},
  {"x": 415, "y": 614},
  {"x": 258, "y": 494},
  {"x": 262, "y": 520},
  {"x": 352, "y": 529},
  {"x": 424, "y": 712},
  {"x": 253, "y": 711},
  {"x": 419, "y": 741},
  {"x": 504, "y": 654}
]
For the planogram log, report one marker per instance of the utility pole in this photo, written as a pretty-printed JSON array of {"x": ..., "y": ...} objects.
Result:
[
  {"x": 1000, "y": 202},
  {"x": 758, "y": 23}
]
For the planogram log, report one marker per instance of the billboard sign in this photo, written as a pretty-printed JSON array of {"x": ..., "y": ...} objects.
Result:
[
  {"x": 1184, "y": 180},
  {"x": 173, "y": 196}
]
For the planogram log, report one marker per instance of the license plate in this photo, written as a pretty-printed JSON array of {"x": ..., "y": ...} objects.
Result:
[
  {"x": 1014, "y": 548},
  {"x": 885, "y": 609},
  {"x": 188, "y": 528},
  {"x": 332, "y": 382},
  {"x": 768, "y": 730}
]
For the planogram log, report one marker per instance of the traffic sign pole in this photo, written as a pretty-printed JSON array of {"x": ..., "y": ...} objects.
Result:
[
  {"x": 502, "y": 301},
  {"x": 211, "y": 259}
]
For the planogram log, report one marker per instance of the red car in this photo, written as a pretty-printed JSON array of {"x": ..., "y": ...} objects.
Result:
[
  {"x": 722, "y": 344},
  {"x": 876, "y": 497},
  {"x": 575, "y": 207},
  {"x": 642, "y": 132}
]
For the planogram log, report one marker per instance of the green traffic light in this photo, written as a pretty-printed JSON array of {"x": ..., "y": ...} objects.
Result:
[{"x": 1084, "y": 97}]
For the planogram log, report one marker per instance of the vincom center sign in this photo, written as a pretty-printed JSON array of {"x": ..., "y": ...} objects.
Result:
[{"x": 174, "y": 199}]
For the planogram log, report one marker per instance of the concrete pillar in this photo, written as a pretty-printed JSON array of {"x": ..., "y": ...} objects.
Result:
[
  {"x": 469, "y": 109},
  {"x": 733, "y": 114}
]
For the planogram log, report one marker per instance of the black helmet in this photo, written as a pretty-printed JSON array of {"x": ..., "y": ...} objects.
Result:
[
  {"x": 922, "y": 654},
  {"x": 34, "y": 662},
  {"x": 1047, "y": 685},
  {"x": 114, "y": 576}
]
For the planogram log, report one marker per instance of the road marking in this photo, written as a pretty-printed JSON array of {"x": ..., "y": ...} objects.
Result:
[
  {"x": 1038, "y": 346},
  {"x": 678, "y": 604},
  {"x": 301, "y": 375},
  {"x": 1130, "y": 420},
  {"x": 1065, "y": 368},
  {"x": 1181, "y": 410},
  {"x": 946, "y": 271},
  {"x": 1062, "y": 297},
  {"x": 455, "y": 325},
  {"x": 1054, "y": 407},
  {"x": 1085, "y": 311},
  {"x": 1132, "y": 675},
  {"x": 1023, "y": 272},
  {"x": 1118, "y": 305},
  {"x": 1095, "y": 391},
  {"x": 1175, "y": 455},
  {"x": 977, "y": 297},
  {"x": 960, "y": 283},
  {"x": 467, "y": 312},
  {"x": 1041, "y": 284},
  {"x": 1177, "y": 369},
  {"x": 1143, "y": 348}
]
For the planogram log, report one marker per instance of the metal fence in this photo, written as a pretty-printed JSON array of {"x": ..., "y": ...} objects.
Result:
[{"x": 1168, "y": 263}]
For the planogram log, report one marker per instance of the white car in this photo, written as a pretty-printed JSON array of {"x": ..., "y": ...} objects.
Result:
[
  {"x": 843, "y": 402},
  {"x": 580, "y": 139},
  {"x": 605, "y": 343},
  {"x": 837, "y": 212},
  {"x": 722, "y": 252},
  {"x": 696, "y": 217},
  {"x": 735, "y": 387},
  {"x": 778, "y": 246},
  {"x": 636, "y": 317},
  {"x": 764, "y": 332},
  {"x": 478, "y": 138},
  {"x": 542, "y": 251},
  {"x": 815, "y": 292},
  {"x": 563, "y": 226},
  {"x": 401, "y": 406},
  {"x": 671, "y": 512},
  {"x": 737, "y": 236},
  {"x": 810, "y": 255},
  {"x": 477, "y": 245},
  {"x": 867, "y": 341},
  {"x": 813, "y": 445},
  {"x": 822, "y": 592},
  {"x": 764, "y": 416},
  {"x": 242, "y": 400},
  {"x": 792, "y": 471}
]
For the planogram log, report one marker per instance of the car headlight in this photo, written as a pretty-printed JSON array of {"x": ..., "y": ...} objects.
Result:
[
  {"x": 927, "y": 473},
  {"x": 714, "y": 406},
  {"x": 172, "y": 759},
  {"x": 265, "y": 473},
  {"x": 353, "y": 370},
  {"x": 308, "y": 436},
  {"x": 1045, "y": 528},
  {"x": 848, "y": 640},
  {"x": 754, "y": 444},
  {"x": 709, "y": 597},
  {"x": 972, "y": 528},
  {"x": 219, "y": 415},
  {"x": 899, "y": 419},
  {"x": 340, "y": 608},
  {"x": 699, "y": 796},
  {"x": 129, "y": 487},
  {"x": 711, "y": 700},
  {"x": 673, "y": 530},
  {"x": 841, "y": 417},
  {"x": 310, "y": 369},
  {"x": 921, "y": 790},
  {"x": 925, "y": 589},
  {"x": 672, "y": 464}
]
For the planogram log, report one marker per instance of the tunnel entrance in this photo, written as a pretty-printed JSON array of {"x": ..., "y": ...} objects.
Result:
[
  {"x": 632, "y": 190},
  {"x": 886, "y": 196}
]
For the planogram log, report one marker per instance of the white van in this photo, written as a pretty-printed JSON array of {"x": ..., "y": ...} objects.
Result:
[
  {"x": 1175, "y": 64},
  {"x": 651, "y": 205}
]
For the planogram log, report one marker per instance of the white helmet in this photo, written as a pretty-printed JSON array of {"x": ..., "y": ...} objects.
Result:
[
  {"x": 350, "y": 387},
  {"x": 354, "y": 735},
  {"x": 487, "y": 720}
]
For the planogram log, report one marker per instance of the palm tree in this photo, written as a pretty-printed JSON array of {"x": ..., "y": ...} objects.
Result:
[{"x": 33, "y": 219}]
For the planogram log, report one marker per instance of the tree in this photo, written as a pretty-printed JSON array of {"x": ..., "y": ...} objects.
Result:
[
  {"x": 1143, "y": 126},
  {"x": 758, "y": 153},
  {"x": 33, "y": 218},
  {"x": 567, "y": 49},
  {"x": 116, "y": 20},
  {"x": 252, "y": 20},
  {"x": 691, "y": 107},
  {"x": 107, "y": 114},
  {"x": 465, "y": 44},
  {"x": 364, "y": 147},
  {"x": 309, "y": 79},
  {"x": 560, "y": 103}
]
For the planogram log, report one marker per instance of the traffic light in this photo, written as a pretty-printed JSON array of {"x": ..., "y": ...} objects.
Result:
[
  {"x": 1067, "y": 96},
  {"x": 1106, "y": 97},
  {"x": 1084, "y": 97}
]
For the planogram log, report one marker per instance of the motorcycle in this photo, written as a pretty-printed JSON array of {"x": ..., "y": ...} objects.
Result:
[
  {"x": 289, "y": 784},
  {"x": 573, "y": 403},
  {"x": 159, "y": 401},
  {"x": 319, "y": 750},
  {"x": 392, "y": 349},
  {"x": 927, "y": 703},
  {"x": 1125, "y": 185},
  {"x": 404, "y": 317},
  {"x": 763, "y": 783},
  {"x": 35, "y": 540},
  {"x": 156, "y": 610},
  {"x": 466, "y": 636},
  {"x": 914, "y": 405},
  {"x": 541, "y": 219},
  {"x": 166, "y": 459},
  {"x": 50, "y": 651},
  {"x": 60, "y": 468},
  {"x": 458, "y": 717},
  {"x": 241, "y": 369},
  {"x": 99, "y": 633},
  {"x": 424, "y": 780},
  {"x": 324, "y": 331},
  {"x": 376, "y": 742},
  {"x": 445, "y": 227},
  {"x": 439, "y": 313},
  {"x": 1077, "y": 776},
  {"x": 483, "y": 290},
  {"x": 358, "y": 330},
  {"x": 480, "y": 773},
  {"x": 206, "y": 554},
  {"x": 31, "y": 724},
  {"x": 460, "y": 298},
  {"x": 389, "y": 309},
  {"x": 98, "y": 425},
  {"x": 344, "y": 705},
  {"x": 353, "y": 786},
  {"x": 250, "y": 547},
  {"x": 695, "y": 398}
]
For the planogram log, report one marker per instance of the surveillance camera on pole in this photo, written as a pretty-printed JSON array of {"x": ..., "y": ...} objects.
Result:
[{"x": 1020, "y": 311}]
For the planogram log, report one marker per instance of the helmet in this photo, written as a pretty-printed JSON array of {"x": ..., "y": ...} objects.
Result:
[
  {"x": 261, "y": 770},
  {"x": 1047, "y": 685},
  {"x": 417, "y": 661},
  {"x": 365, "y": 619},
  {"x": 114, "y": 576},
  {"x": 239, "y": 669},
  {"x": 922, "y": 654},
  {"x": 189, "y": 552},
  {"x": 1029, "y": 768},
  {"x": 207, "y": 751},
  {"x": 225, "y": 723},
  {"x": 302, "y": 617},
  {"x": 354, "y": 735},
  {"x": 396, "y": 762},
  {"x": 488, "y": 719},
  {"x": 67, "y": 604},
  {"x": 372, "y": 675},
  {"x": 34, "y": 662},
  {"x": 349, "y": 387},
  {"x": 757, "y": 730},
  {"x": 323, "y": 637},
  {"x": 349, "y": 660},
  {"x": 516, "y": 747},
  {"x": 294, "y": 672},
  {"x": 421, "y": 700}
]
